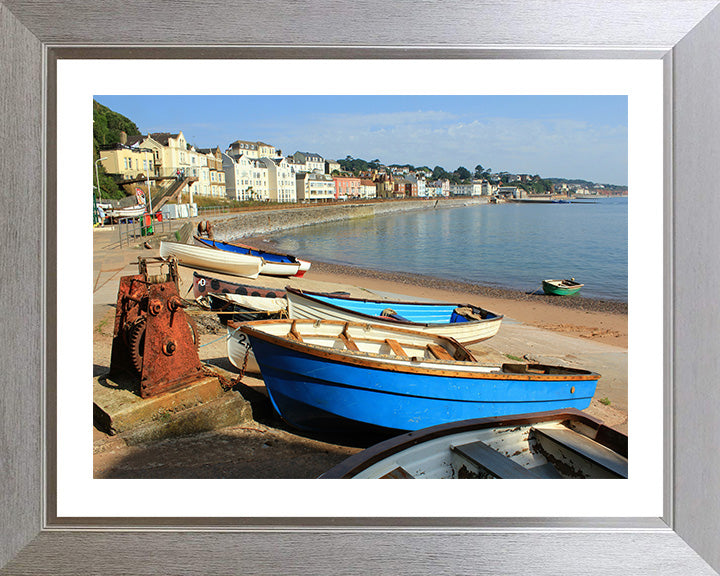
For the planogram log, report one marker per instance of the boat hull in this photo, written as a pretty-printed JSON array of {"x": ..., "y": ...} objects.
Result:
[
  {"x": 204, "y": 285},
  {"x": 318, "y": 391},
  {"x": 130, "y": 212},
  {"x": 212, "y": 259},
  {"x": 553, "y": 290},
  {"x": 596, "y": 451},
  {"x": 304, "y": 267},
  {"x": 434, "y": 320},
  {"x": 272, "y": 264}
]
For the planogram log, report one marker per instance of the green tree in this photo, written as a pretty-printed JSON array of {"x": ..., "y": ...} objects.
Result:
[
  {"x": 439, "y": 173},
  {"x": 107, "y": 128},
  {"x": 463, "y": 173}
]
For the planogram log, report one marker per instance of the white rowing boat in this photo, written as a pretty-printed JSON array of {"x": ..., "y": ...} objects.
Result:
[
  {"x": 555, "y": 444},
  {"x": 212, "y": 259}
]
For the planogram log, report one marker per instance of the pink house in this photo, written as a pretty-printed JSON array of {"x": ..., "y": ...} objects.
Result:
[{"x": 346, "y": 187}]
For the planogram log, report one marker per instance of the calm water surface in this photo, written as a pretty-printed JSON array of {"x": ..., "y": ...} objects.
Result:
[{"x": 505, "y": 245}]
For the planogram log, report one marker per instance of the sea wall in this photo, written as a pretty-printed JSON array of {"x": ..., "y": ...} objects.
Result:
[{"x": 269, "y": 221}]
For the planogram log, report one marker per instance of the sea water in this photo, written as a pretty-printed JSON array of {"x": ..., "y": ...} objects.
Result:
[{"x": 501, "y": 245}]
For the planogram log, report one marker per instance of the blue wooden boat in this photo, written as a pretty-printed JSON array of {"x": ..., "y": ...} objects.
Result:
[
  {"x": 330, "y": 375},
  {"x": 274, "y": 264}
]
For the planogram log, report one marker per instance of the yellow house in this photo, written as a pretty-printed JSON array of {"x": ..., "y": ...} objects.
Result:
[{"x": 128, "y": 163}]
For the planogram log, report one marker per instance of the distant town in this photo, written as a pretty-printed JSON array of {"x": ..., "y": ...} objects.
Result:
[{"x": 126, "y": 160}]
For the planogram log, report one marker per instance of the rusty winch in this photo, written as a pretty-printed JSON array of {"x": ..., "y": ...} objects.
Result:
[{"x": 154, "y": 339}]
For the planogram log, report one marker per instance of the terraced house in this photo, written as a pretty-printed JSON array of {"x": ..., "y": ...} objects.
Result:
[
  {"x": 314, "y": 187},
  {"x": 253, "y": 149},
  {"x": 309, "y": 162},
  {"x": 246, "y": 178},
  {"x": 281, "y": 180}
]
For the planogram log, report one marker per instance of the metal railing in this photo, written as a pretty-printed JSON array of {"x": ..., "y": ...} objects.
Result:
[{"x": 132, "y": 230}]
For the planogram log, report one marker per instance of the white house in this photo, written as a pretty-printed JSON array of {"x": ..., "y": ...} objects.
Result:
[
  {"x": 461, "y": 189},
  {"x": 311, "y": 161},
  {"x": 245, "y": 178},
  {"x": 252, "y": 149},
  {"x": 368, "y": 189},
  {"x": 314, "y": 187},
  {"x": 281, "y": 180}
]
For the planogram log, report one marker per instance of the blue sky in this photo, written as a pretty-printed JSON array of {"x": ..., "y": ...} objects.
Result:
[{"x": 554, "y": 136}]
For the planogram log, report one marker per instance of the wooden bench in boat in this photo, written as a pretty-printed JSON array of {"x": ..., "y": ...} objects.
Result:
[
  {"x": 439, "y": 352},
  {"x": 347, "y": 340},
  {"x": 395, "y": 347},
  {"x": 589, "y": 451},
  {"x": 492, "y": 462}
]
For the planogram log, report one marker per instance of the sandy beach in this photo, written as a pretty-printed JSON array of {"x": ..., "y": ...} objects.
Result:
[{"x": 573, "y": 331}]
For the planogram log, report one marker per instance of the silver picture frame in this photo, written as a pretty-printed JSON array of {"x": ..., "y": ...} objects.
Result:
[{"x": 34, "y": 36}]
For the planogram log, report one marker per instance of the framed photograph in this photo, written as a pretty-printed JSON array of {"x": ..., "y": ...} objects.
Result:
[{"x": 58, "y": 520}]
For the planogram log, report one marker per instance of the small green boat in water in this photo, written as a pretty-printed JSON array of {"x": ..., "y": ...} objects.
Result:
[{"x": 561, "y": 287}]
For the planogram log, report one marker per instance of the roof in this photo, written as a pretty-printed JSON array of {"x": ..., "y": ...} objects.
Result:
[
  {"x": 163, "y": 137},
  {"x": 132, "y": 140},
  {"x": 255, "y": 144},
  {"x": 214, "y": 151},
  {"x": 308, "y": 154}
]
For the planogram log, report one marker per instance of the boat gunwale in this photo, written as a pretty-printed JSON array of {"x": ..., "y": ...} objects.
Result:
[
  {"x": 311, "y": 295},
  {"x": 206, "y": 243},
  {"x": 373, "y": 361},
  {"x": 241, "y": 245},
  {"x": 353, "y": 465},
  {"x": 566, "y": 287},
  {"x": 186, "y": 246}
]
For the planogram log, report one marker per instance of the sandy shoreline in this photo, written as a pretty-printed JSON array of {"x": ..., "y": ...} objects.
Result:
[
  {"x": 599, "y": 320},
  {"x": 577, "y": 332}
]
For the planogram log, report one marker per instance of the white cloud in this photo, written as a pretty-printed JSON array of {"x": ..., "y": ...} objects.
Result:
[{"x": 549, "y": 146}]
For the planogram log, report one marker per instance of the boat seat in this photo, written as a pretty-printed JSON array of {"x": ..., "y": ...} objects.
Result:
[
  {"x": 398, "y": 474},
  {"x": 492, "y": 462},
  {"x": 439, "y": 352},
  {"x": 564, "y": 439},
  {"x": 347, "y": 340},
  {"x": 396, "y": 348}
]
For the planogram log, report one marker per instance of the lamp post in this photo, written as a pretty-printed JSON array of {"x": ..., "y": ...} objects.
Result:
[
  {"x": 147, "y": 172},
  {"x": 97, "y": 179}
]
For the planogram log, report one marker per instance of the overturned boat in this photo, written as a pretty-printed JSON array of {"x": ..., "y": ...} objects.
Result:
[{"x": 204, "y": 285}]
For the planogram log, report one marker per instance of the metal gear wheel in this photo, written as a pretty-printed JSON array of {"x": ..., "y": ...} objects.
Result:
[{"x": 136, "y": 344}]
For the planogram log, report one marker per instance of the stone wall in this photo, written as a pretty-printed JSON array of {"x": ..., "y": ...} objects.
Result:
[{"x": 269, "y": 221}]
